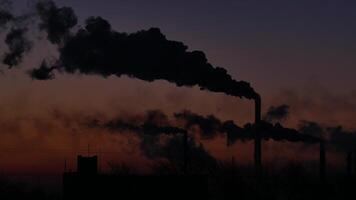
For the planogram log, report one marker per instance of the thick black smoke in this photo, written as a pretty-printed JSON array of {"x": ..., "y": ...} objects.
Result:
[
  {"x": 153, "y": 123},
  {"x": 146, "y": 55},
  {"x": 18, "y": 44},
  {"x": 57, "y": 22},
  {"x": 235, "y": 133},
  {"x": 342, "y": 139},
  {"x": 278, "y": 113},
  {"x": 337, "y": 137},
  {"x": 277, "y": 132},
  {"x": 209, "y": 126},
  {"x": 44, "y": 72},
  {"x": 199, "y": 160},
  {"x": 5, "y": 14},
  {"x": 312, "y": 128},
  {"x": 98, "y": 49}
]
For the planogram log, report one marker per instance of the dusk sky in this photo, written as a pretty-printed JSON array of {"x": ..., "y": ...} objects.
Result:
[
  {"x": 300, "y": 53},
  {"x": 272, "y": 44}
]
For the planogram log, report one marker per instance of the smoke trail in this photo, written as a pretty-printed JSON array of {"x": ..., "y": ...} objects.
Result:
[
  {"x": 43, "y": 72},
  {"x": 18, "y": 45},
  {"x": 278, "y": 113},
  {"x": 312, "y": 128},
  {"x": 148, "y": 54},
  {"x": 97, "y": 49},
  {"x": 337, "y": 137},
  {"x": 57, "y": 22},
  {"x": 342, "y": 139},
  {"x": 5, "y": 14},
  {"x": 209, "y": 126},
  {"x": 152, "y": 123}
]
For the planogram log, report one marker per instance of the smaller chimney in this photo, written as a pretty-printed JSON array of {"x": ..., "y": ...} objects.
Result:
[
  {"x": 258, "y": 141},
  {"x": 322, "y": 169}
]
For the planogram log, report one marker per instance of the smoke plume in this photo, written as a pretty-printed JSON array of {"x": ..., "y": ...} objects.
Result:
[
  {"x": 57, "y": 22},
  {"x": 5, "y": 14},
  {"x": 147, "y": 55},
  {"x": 209, "y": 126},
  {"x": 18, "y": 44},
  {"x": 277, "y": 114}
]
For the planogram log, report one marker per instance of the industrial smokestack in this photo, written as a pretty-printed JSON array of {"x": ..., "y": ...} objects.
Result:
[
  {"x": 322, "y": 169},
  {"x": 258, "y": 142}
]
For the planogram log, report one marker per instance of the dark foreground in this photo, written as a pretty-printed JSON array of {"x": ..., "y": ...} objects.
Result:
[{"x": 225, "y": 182}]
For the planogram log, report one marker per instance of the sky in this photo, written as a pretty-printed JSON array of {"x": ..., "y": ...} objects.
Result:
[
  {"x": 296, "y": 52},
  {"x": 273, "y": 44}
]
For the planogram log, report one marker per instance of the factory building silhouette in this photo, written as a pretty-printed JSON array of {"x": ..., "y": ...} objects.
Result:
[{"x": 88, "y": 183}]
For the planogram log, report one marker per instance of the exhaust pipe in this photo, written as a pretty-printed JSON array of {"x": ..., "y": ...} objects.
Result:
[{"x": 258, "y": 142}]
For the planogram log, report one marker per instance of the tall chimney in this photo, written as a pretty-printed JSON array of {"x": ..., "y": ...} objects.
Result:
[
  {"x": 258, "y": 150},
  {"x": 322, "y": 169}
]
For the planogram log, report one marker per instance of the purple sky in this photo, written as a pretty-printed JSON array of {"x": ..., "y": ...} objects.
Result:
[
  {"x": 305, "y": 46},
  {"x": 272, "y": 44}
]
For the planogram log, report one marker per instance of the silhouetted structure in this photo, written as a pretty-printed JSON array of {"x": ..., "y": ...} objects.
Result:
[
  {"x": 87, "y": 165},
  {"x": 86, "y": 183},
  {"x": 258, "y": 140}
]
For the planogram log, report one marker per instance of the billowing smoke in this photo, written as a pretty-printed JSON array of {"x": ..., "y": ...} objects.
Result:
[
  {"x": 18, "y": 44},
  {"x": 342, "y": 139},
  {"x": 277, "y": 113},
  {"x": 43, "y": 72},
  {"x": 148, "y": 55},
  {"x": 153, "y": 123},
  {"x": 337, "y": 137},
  {"x": 199, "y": 159},
  {"x": 312, "y": 128},
  {"x": 5, "y": 14},
  {"x": 279, "y": 133},
  {"x": 209, "y": 126},
  {"x": 57, "y": 22}
]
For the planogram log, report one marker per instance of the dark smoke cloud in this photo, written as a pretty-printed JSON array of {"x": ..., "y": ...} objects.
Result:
[
  {"x": 153, "y": 123},
  {"x": 199, "y": 160},
  {"x": 279, "y": 133},
  {"x": 147, "y": 55},
  {"x": 342, "y": 139},
  {"x": 18, "y": 44},
  {"x": 312, "y": 128},
  {"x": 235, "y": 133},
  {"x": 98, "y": 49},
  {"x": 57, "y": 22},
  {"x": 44, "y": 72},
  {"x": 5, "y": 14},
  {"x": 337, "y": 137},
  {"x": 209, "y": 126},
  {"x": 278, "y": 113}
]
